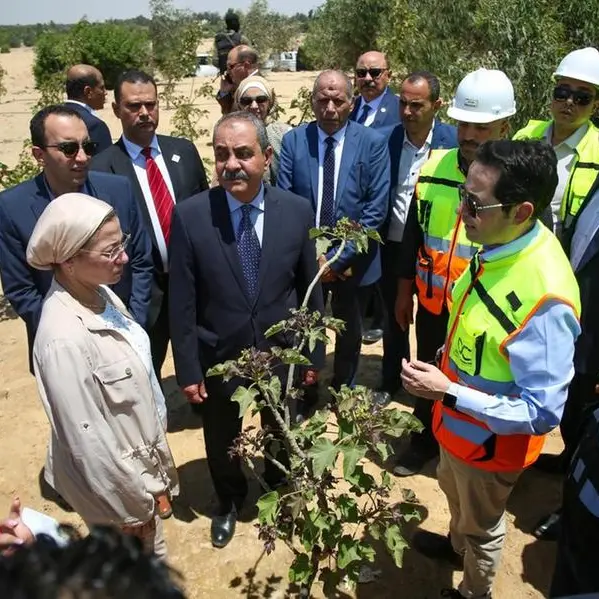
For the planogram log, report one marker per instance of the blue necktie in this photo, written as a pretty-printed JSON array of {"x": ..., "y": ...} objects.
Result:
[
  {"x": 327, "y": 205},
  {"x": 365, "y": 110},
  {"x": 249, "y": 250}
]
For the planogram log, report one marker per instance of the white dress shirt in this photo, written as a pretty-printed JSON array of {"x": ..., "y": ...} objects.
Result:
[
  {"x": 565, "y": 152},
  {"x": 587, "y": 226},
  {"x": 139, "y": 166},
  {"x": 339, "y": 138},
  {"x": 88, "y": 108},
  {"x": 256, "y": 215},
  {"x": 374, "y": 108},
  {"x": 411, "y": 161}
]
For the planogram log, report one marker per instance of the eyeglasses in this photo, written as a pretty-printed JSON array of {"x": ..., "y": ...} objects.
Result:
[
  {"x": 249, "y": 100},
  {"x": 472, "y": 206},
  {"x": 71, "y": 148},
  {"x": 232, "y": 65},
  {"x": 115, "y": 252},
  {"x": 580, "y": 97},
  {"x": 375, "y": 73}
]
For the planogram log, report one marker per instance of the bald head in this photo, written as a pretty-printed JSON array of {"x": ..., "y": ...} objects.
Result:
[
  {"x": 85, "y": 84},
  {"x": 242, "y": 61},
  {"x": 332, "y": 100},
  {"x": 372, "y": 75}
]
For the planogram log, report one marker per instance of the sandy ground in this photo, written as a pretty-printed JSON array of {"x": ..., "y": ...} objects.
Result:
[{"x": 239, "y": 570}]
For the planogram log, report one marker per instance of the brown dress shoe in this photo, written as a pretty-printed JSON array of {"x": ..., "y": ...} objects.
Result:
[{"x": 163, "y": 506}]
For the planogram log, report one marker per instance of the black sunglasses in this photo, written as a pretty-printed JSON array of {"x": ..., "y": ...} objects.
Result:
[
  {"x": 472, "y": 207},
  {"x": 580, "y": 97},
  {"x": 70, "y": 148},
  {"x": 248, "y": 100},
  {"x": 374, "y": 73}
]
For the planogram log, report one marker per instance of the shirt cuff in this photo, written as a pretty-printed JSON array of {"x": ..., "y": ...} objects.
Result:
[
  {"x": 470, "y": 401},
  {"x": 39, "y": 523}
]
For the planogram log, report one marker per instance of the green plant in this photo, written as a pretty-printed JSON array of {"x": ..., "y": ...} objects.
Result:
[
  {"x": 51, "y": 91},
  {"x": 187, "y": 115},
  {"x": 303, "y": 102},
  {"x": 2, "y": 86},
  {"x": 329, "y": 522},
  {"x": 25, "y": 169}
]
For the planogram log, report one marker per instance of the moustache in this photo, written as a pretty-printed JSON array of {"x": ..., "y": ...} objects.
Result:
[
  {"x": 368, "y": 84},
  {"x": 468, "y": 144},
  {"x": 145, "y": 122},
  {"x": 239, "y": 175}
]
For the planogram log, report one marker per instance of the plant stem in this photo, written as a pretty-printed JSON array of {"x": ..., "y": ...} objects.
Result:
[
  {"x": 251, "y": 466},
  {"x": 278, "y": 464},
  {"x": 284, "y": 428}
]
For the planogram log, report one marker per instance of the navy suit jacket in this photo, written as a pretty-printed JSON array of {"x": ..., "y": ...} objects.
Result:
[
  {"x": 211, "y": 316},
  {"x": 98, "y": 130},
  {"x": 362, "y": 192},
  {"x": 25, "y": 287},
  {"x": 387, "y": 114}
]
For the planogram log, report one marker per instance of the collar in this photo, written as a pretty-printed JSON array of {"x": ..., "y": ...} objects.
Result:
[
  {"x": 427, "y": 142},
  {"x": 511, "y": 248},
  {"x": 322, "y": 135},
  {"x": 572, "y": 141},
  {"x": 134, "y": 150},
  {"x": 88, "y": 108},
  {"x": 257, "y": 202},
  {"x": 374, "y": 104},
  {"x": 51, "y": 195}
]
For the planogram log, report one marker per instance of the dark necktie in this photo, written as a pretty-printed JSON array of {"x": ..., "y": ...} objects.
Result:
[
  {"x": 249, "y": 250},
  {"x": 365, "y": 112},
  {"x": 327, "y": 205},
  {"x": 160, "y": 194}
]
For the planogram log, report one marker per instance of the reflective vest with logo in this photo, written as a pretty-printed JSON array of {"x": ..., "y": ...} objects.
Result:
[
  {"x": 585, "y": 166},
  {"x": 492, "y": 301},
  {"x": 446, "y": 250}
]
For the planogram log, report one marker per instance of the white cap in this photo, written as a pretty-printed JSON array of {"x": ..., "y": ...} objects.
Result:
[
  {"x": 483, "y": 96},
  {"x": 580, "y": 64}
]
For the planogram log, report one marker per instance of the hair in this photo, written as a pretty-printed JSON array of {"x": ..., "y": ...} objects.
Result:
[
  {"x": 349, "y": 89},
  {"x": 527, "y": 171},
  {"x": 232, "y": 21},
  {"x": 242, "y": 115},
  {"x": 105, "y": 564},
  {"x": 247, "y": 54},
  {"x": 433, "y": 83},
  {"x": 37, "y": 125},
  {"x": 76, "y": 85},
  {"x": 131, "y": 76}
]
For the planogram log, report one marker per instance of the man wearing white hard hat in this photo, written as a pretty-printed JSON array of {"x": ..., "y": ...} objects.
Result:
[
  {"x": 435, "y": 248},
  {"x": 573, "y": 137}
]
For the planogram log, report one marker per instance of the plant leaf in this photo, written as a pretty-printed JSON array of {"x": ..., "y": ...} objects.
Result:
[
  {"x": 323, "y": 454},
  {"x": 293, "y": 356},
  {"x": 352, "y": 454},
  {"x": 315, "y": 232},
  {"x": 275, "y": 328},
  {"x": 245, "y": 397},
  {"x": 300, "y": 570},
  {"x": 348, "y": 508},
  {"x": 348, "y": 551},
  {"x": 322, "y": 246},
  {"x": 395, "y": 543},
  {"x": 268, "y": 508}
]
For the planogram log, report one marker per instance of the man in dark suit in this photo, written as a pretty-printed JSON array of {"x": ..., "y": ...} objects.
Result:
[
  {"x": 85, "y": 93},
  {"x": 62, "y": 147},
  {"x": 241, "y": 258},
  {"x": 163, "y": 171},
  {"x": 343, "y": 169},
  {"x": 410, "y": 144}
]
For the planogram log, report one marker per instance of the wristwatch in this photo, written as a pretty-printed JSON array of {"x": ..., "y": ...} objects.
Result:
[{"x": 449, "y": 400}]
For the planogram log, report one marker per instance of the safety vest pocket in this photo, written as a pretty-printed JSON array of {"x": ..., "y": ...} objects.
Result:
[{"x": 467, "y": 347}]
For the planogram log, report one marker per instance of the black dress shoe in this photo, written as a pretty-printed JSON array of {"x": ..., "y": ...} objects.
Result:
[
  {"x": 549, "y": 528},
  {"x": 412, "y": 461},
  {"x": 435, "y": 546},
  {"x": 222, "y": 528},
  {"x": 455, "y": 594},
  {"x": 372, "y": 336},
  {"x": 551, "y": 463}
]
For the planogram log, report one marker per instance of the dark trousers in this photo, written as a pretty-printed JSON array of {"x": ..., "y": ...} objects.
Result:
[
  {"x": 396, "y": 343},
  {"x": 371, "y": 306},
  {"x": 346, "y": 306},
  {"x": 581, "y": 395},
  {"x": 159, "y": 331},
  {"x": 222, "y": 426},
  {"x": 431, "y": 330}
]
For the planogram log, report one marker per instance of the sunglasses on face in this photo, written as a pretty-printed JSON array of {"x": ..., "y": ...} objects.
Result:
[
  {"x": 469, "y": 200},
  {"x": 71, "y": 148},
  {"x": 374, "y": 73},
  {"x": 113, "y": 254},
  {"x": 249, "y": 100},
  {"x": 580, "y": 97}
]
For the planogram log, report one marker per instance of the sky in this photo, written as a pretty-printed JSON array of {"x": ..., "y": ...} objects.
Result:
[{"x": 25, "y": 12}]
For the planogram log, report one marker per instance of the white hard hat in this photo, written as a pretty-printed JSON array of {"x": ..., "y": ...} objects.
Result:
[
  {"x": 483, "y": 96},
  {"x": 580, "y": 64}
]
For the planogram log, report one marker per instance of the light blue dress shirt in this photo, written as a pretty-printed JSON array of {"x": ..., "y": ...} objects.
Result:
[
  {"x": 256, "y": 215},
  {"x": 541, "y": 359}
]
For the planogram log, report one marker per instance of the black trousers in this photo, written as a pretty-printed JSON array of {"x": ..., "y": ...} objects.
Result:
[
  {"x": 431, "y": 330},
  {"x": 396, "y": 343},
  {"x": 159, "y": 332},
  {"x": 222, "y": 426}
]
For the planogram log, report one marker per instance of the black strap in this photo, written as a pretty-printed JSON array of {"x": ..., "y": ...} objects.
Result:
[
  {"x": 591, "y": 165},
  {"x": 508, "y": 326},
  {"x": 438, "y": 181},
  {"x": 513, "y": 300}
]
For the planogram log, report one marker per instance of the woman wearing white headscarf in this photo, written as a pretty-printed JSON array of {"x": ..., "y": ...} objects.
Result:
[
  {"x": 256, "y": 95},
  {"x": 108, "y": 455}
]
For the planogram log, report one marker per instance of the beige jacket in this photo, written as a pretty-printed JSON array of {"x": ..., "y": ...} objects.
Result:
[{"x": 108, "y": 455}]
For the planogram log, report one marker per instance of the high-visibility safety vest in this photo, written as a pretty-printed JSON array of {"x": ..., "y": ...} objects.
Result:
[
  {"x": 492, "y": 301},
  {"x": 585, "y": 166},
  {"x": 446, "y": 250}
]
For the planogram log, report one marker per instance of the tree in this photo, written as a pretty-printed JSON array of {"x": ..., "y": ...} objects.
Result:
[{"x": 2, "y": 87}]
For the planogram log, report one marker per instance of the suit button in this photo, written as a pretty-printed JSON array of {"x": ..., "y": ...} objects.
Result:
[{"x": 128, "y": 371}]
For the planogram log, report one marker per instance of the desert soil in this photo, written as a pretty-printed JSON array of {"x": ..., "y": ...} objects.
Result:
[{"x": 239, "y": 570}]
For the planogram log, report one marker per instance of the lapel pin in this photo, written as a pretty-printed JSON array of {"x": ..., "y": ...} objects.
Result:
[
  {"x": 175, "y": 157},
  {"x": 383, "y": 109}
]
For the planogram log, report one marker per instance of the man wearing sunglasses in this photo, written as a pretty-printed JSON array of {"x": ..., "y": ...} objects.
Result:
[
  {"x": 573, "y": 137},
  {"x": 507, "y": 359},
  {"x": 63, "y": 149},
  {"x": 242, "y": 62},
  {"x": 435, "y": 247}
]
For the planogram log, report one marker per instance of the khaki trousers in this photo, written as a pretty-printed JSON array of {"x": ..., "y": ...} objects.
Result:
[{"x": 477, "y": 501}]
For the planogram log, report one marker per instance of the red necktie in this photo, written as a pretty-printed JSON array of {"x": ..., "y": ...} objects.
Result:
[{"x": 160, "y": 194}]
